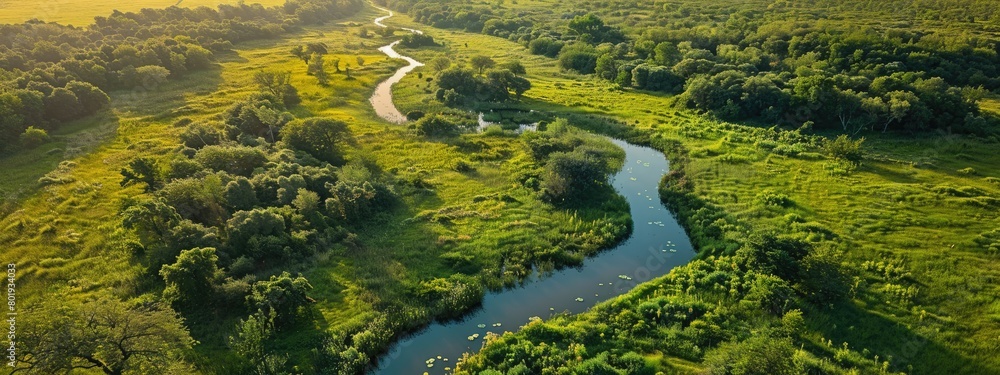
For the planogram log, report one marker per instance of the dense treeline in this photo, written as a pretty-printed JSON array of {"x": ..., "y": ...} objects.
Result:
[
  {"x": 243, "y": 197},
  {"x": 751, "y": 61},
  {"x": 51, "y": 73}
]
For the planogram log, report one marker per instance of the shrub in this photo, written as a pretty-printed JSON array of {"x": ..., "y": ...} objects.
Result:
[
  {"x": 33, "y": 137},
  {"x": 463, "y": 166},
  {"x": 237, "y": 160},
  {"x": 199, "y": 135},
  {"x": 320, "y": 137},
  {"x": 190, "y": 279},
  {"x": 436, "y": 126},
  {"x": 417, "y": 40},
  {"x": 770, "y": 198},
  {"x": 843, "y": 147},
  {"x": 545, "y": 46},
  {"x": 283, "y": 295}
]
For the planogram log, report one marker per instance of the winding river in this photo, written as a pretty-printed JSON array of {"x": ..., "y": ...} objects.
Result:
[{"x": 657, "y": 244}]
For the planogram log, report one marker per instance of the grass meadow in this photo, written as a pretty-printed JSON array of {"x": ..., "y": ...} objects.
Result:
[{"x": 82, "y": 12}]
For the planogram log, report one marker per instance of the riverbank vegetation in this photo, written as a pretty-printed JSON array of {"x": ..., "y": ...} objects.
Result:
[{"x": 887, "y": 216}]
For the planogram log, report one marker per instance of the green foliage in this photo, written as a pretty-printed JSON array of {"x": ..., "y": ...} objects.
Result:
[
  {"x": 436, "y": 125},
  {"x": 321, "y": 137},
  {"x": 843, "y": 147},
  {"x": 142, "y": 171},
  {"x": 190, "y": 280},
  {"x": 759, "y": 355},
  {"x": 258, "y": 233},
  {"x": 774, "y": 255},
  {"x": 545, "y": 46},
  {"x": 353, "y": 202},
  {"x": 33, "y": 137},
  {"x": 591, "y": 29},
  {"x": 481, "y": 63},
  {"x": 199, "y": 135},
  {"x": 260, "y": 115},
  {"x": 278, "y": 85},
  {"x": 281, "y": 296},
  {"x": 579, "y": 57},
  {"x": 414, "y": 40},
  {"x": 574, "y": 167},
  {"x": 105, "y": 334},
  {"x": 199, "y": 200},
  {"x": 236, "y": 160},
  {"x": 240, "y": 194}
]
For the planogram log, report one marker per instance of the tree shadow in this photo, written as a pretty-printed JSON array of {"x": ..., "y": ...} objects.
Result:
[{"x": 904, "y": 348}]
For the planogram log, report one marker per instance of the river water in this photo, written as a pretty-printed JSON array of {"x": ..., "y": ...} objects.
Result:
[{"x": 657, "y": 244}]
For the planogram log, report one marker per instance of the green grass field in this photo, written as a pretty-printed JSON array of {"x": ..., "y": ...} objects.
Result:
[{"x": 82, "y": 12}]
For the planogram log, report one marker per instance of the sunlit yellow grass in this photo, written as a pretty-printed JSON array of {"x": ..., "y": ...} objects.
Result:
[{"x": 82, "y": 12}]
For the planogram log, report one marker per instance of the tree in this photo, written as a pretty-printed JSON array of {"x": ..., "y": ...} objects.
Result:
[
  {"x": 91, "y": 98},
  {"x": 570, "y": 176},
  {"x": 322, "y": 138},
  {"x": 545, "y": 46},
  {"x": 441, "y": 63},
  {"x": 199, "y": 135},
  {"x": 481, "y": 63},
  {"x": 236, "y": 160},
  {"x": 191, "y": 279},
  {"x": 847, "y": 106},
  {"x": 514, "y": 67},
  {"x": 770, "y": 254},
  {"x": 149, "y": 76},
  {"x": 772, "y": 294},
  {"x": 436, "y": 126},
  {"x": 317, "y": 48},
  {"x": 189, "y": 235},
  {"x": 240, "y": 194},
  {"x": 590, "y": 28},
  {"x": 278, "y": 84},
  {"x": 62, "y": 105},
  {"x": 249, "y": 345},
  {"x": 12, "y": 123},
  {"x": 895, "y": 107},
  {"x": 106, "y": 335},
  {"x": 258, "y": 233},
  {"x": 151, "y": 219},
  {"x": 667, "y": 54},
  {"x": 500, "y": 82},
  {"x": 460, "y": 80},
  {"x": 579, "y": 57},
  {"x": 317, "y": 69},
  {"x": 197, "y": 199},
  {"x": 144, "y": 171},
  {"x": 282, "y": 295},
  {"x": 301, "y": 53},
  {"x": 260, "y": 115}
]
